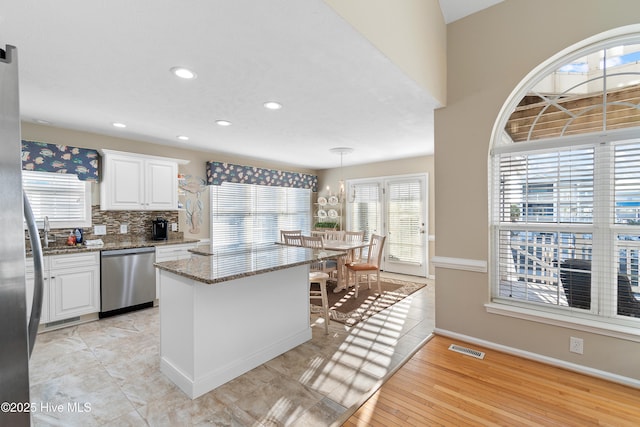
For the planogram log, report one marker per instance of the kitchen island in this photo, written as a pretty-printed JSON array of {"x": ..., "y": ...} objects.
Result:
[{"x": 223, "y": 314}]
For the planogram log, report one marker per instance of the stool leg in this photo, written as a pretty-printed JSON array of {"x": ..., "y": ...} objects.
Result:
[
  {"x": 325, "y": 304},
  {"x": 356, "y": 282}
]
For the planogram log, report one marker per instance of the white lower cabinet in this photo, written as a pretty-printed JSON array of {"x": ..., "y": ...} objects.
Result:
[
  {"x": 71, "y": 286},
  {"x": 30, "y": 279},
  {"x": 172, "y": 253}
]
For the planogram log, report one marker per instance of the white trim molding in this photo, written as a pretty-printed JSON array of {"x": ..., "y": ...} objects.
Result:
[
  {"x": 631, "y": 382},
  {"x": 476, "y": 265}
]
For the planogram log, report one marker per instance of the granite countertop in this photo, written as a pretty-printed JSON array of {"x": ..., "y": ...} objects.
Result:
[
  {"x": 123, "y": 244},
  {"x": 208, "y": 267}
]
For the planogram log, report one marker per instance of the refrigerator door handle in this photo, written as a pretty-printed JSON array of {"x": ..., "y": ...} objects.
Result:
[{"x": 36, "y": 307}]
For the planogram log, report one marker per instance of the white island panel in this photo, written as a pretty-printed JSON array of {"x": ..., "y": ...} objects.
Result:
[{"x": 212, "y": 333}]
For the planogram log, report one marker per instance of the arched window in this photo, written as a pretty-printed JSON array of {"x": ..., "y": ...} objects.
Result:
[{"x": 565, "y": 187}]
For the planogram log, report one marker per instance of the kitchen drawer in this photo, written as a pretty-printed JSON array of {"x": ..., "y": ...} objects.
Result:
[{"x": 75, "y": 260}]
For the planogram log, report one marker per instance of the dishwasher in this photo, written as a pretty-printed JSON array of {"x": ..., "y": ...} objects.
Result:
[{"x": 127, "y": 280}]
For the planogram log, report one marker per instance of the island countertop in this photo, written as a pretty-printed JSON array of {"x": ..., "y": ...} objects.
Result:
[{"x": 209, "y": 267}]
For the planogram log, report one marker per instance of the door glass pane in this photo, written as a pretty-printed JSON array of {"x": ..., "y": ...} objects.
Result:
[
  {"x": 365, "y": 209},
  {"x": 405, "y": 222}
]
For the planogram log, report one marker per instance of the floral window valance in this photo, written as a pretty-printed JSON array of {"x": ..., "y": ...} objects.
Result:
[
  {"x": 43, "y": 157},
  {"x": 219, "y": 172}
]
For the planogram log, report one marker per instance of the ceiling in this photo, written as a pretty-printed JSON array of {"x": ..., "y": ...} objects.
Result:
[{"x": 85, "y": 65}]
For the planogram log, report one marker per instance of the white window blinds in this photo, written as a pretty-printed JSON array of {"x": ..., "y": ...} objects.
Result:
[
  {"x": 244, "y": 215},
  {"x": 626, "y": 216},
  {"x": 62, "y": 197},
  {"x": 627, "y": 184},
  {"x": 554, "y": 187},
  {"x": 365, "y": 208},
  {"x": 569, "y": 230},
  {"x": 404, "y": 221}
]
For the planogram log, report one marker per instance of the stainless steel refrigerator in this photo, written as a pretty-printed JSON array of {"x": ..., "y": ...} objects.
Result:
[{"x": 17, "y": 332}]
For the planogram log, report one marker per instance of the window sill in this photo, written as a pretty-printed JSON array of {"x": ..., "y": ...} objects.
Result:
[{"x": 624, "y": 329}]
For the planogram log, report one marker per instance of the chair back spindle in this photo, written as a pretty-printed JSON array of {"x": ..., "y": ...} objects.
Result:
[{"x": 292, "y": 240}]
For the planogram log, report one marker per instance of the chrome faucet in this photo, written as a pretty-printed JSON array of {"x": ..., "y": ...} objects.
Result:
[{"x": 47, "y": 229}]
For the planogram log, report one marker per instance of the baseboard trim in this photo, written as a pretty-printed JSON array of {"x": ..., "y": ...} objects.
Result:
[
  {"x": 476, "y": 265},
  {"x": 631, "y": 382}
]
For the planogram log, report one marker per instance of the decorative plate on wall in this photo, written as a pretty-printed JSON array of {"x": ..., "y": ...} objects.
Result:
[
  {"x": 333, "y": 200},
  {"x": 333, "y": 213},
  {"x": 322, "y": 201},
  {"x": 322, "y": 213}
]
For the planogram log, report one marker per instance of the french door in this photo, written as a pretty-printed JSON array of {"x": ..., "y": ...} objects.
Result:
[{"x": 397, "y": 208}]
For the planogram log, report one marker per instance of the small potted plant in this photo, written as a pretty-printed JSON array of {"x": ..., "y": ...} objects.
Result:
[{"x": 327, "y": 225}]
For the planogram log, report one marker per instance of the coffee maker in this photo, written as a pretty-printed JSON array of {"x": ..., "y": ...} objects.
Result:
[{"x": 159, "y": 229}]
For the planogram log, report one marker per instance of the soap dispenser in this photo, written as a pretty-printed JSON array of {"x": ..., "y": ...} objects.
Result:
[{"x": 71, "y": 240}]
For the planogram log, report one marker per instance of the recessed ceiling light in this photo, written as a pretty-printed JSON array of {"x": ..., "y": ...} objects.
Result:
[
  {"x": 119, "y": 125},
  {"x": 223, "y": 122},
  {"x": 183, "y": 138},
  {"x": 272, "y": 105},
  {"x": 183, "y": 73},
  {"x": 42, "y": 122}
]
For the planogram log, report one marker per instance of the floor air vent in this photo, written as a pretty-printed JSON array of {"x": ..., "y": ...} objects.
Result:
[{"x": 469, "y": 352}]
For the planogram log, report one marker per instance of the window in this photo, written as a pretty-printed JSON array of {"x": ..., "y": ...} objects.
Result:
[
  {"x": 62, "y": 197},
  {"x": 565, "y": 185},
  {"x": 244, "y": 215}
]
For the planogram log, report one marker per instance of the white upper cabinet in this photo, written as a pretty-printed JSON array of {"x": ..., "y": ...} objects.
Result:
[{"x": 138, "y": 182}]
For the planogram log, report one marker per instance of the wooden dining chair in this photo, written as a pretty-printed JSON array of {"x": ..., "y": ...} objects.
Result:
[
  {"x": 334, "y": 235},
  {"x": 318, "y": 275},
  {"x": 374, "y": 258},
  {"x": 318, "y": 233},
  {"x": 354, "y": 237},
  {"x": 314, "y": 242},
  {"x": 292, "y": 239},
  {"x": 289, "y": 233}
]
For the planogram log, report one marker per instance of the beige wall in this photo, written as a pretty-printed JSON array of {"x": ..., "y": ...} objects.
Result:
[
  {"x": 488, "y": 54},
  {"x": 411, "y": 33},
  {"x": 195, "y": 167},
  {"x": 413, "y": 165}
]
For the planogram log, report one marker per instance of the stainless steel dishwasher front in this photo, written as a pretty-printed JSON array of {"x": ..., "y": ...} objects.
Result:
[{"x": 127, "y": 280}]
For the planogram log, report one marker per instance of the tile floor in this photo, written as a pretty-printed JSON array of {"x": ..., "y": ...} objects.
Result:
[{"x": 107, "y": 373}]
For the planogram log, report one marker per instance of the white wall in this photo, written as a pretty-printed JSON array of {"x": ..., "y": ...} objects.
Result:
[{"x": 411, "y": 33}]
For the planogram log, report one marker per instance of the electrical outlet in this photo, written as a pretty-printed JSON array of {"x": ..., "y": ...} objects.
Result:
[
  {"x": 174, "y": 226},
  {"x": 124, "y": 228},
  {"x": 99, "y": 230},
  {"x": 576, "y": 345}
]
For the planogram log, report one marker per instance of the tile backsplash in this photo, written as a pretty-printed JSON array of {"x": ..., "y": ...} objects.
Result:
[
  {"x": 139, "y": 225},
  {"x": 138, "y": 222}
]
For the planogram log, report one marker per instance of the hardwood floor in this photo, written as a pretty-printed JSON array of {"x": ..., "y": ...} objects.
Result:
[{"x": 441, "y": 387}]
